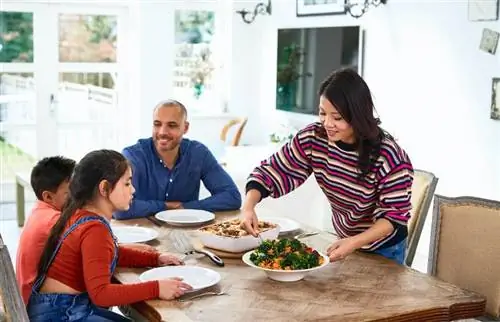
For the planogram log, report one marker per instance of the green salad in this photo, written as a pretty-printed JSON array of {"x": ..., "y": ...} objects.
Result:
[{"x": 286, "y": 254}]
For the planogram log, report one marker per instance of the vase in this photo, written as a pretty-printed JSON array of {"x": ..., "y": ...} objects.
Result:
[{"x": 198, "y": 90}]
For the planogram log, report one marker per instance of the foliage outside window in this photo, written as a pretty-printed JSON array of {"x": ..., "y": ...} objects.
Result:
[
  {"x": 194, "y": 57},
  {"x": 16, "y": 37}
]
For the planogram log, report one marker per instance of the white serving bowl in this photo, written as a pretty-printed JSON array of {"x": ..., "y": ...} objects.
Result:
[
  {"x": 235, "y": 244},
  {"x": 283, "y": 275}
]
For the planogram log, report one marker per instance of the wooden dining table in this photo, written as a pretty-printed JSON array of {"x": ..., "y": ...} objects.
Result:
[{"x": 362, "y": 287}]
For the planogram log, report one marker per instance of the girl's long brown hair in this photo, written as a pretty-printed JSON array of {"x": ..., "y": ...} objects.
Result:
[{"x": 95, "y": 167}]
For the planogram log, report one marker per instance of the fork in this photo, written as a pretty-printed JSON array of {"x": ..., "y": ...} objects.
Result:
[
  {"x": 201, "y": 295},
  {"x": 184, "y": 245}
]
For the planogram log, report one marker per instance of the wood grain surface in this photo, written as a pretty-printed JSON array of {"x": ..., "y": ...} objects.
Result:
[{"x": 362, "y": 287}]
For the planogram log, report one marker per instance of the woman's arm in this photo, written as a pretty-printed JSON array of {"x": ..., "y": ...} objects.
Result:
[
  {"x": 390, "y": 216},
  {"x": 286, "y": 169}
]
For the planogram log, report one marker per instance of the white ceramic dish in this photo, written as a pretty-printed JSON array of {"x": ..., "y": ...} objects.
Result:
[
  {"x": 235, "y": 244},
  {"x": 282, "y": 275},
  {"x": 287, "y": 225},
  {"x": 198, "y": 277},
  {"x": 134, "y": 234},
  {"x": 185, "y": 217}
]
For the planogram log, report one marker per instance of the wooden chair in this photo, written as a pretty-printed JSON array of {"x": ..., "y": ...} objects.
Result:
[
  {"x": 237, "y": 136},
  {"x": 465, "y": 247},
  {"x": 424, "y": 186},
  {"x": 12, "y": 308}
]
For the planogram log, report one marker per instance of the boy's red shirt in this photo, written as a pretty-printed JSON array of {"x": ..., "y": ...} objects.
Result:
[{"x": 33, "y": 237}]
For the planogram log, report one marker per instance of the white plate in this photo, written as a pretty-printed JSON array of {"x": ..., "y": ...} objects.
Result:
[
  {"x": 185, "y": 217},
  {"x": 134, "y": 234},
  {"x": 286, "y": 225},
  {"x": 197, "y": 277}
]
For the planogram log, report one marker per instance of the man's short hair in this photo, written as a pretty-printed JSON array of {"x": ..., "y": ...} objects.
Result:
[
  {"x": 49, "y": 173},
  {"x": 171, "y": 102}
]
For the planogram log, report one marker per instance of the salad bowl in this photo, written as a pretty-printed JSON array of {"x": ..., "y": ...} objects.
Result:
[{"x": 290, "y": 265}]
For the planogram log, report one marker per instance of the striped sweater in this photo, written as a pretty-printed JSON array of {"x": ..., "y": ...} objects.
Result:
[{"x": 355, "y": 204}]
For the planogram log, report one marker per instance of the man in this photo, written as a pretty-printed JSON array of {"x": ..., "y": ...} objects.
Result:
[
  {"x": 50, "y": 182},
  {"x": 167, "y": 169}
]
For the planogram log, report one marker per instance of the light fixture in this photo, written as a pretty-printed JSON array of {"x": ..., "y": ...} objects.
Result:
[
  {"x": 357, "y": 8},
  {"x": 260, "y": 9}
]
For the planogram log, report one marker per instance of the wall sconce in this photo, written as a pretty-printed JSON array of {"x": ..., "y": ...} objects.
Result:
[
  {"x": 260, "y": 9},
  {"x": 357, "y": 8}
]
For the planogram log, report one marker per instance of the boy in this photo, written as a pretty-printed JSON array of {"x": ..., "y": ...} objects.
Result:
[{"x": 50, "y": 182}]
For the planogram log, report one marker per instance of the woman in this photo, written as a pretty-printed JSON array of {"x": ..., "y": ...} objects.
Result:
[
  {"x": 363, "y": 172},
  {"x": 81, "y": 253}
]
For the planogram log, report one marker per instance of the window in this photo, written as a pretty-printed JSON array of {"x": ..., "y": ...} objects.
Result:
[{"x": 196, "y": 71}]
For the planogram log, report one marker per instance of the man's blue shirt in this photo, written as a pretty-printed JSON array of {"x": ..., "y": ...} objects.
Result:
[{"x": 155, "y": 184}]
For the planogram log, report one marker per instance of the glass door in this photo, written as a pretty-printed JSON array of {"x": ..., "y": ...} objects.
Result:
[
  {"x": 89, "y": 80},
  {"x": 62, "y": 77},
  {"x": 21, "y": 112}
]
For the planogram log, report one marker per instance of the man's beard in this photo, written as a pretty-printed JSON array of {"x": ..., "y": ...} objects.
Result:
[{"x": 171, "y": 144}]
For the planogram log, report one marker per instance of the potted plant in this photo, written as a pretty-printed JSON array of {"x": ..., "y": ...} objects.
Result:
[
  {"x": 202, "y": 71},
  {"x": 287, "y": 75}
]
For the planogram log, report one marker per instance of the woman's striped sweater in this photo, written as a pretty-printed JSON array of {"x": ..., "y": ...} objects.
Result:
[{"x": 355, "y": 205}]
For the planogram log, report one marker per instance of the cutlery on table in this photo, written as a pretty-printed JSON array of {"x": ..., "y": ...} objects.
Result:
[
  {"x": 155, "y": 221},
  {"x": 304, "y": 235},
  {"x": 186, "y": 246},
  {"x": 202, "y": 295}
]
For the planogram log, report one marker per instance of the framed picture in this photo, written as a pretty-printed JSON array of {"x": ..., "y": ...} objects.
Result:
[
  {"x": 320, "y": 7},
  {"x": 489, "y": 41},
  {"x": 495, "y": 99},
  {"x": 483, "y": 10}
]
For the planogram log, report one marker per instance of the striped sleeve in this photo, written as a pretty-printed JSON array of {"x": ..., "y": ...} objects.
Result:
[
  {"x": 286, "y": 169},
  {"x": 394, "y": 203}
]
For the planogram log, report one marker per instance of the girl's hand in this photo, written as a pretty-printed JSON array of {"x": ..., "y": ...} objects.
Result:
[
  {"x": 169, "y": 259},
  {"x": 173, "y": 288},
  {"x": 341, "y": 248}
]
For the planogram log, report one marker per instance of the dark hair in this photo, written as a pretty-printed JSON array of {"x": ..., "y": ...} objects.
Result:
[
  {"x": 89, "y": 172},
  {"x": 351, "y": 97},
  {"x": 171, "y": 102},
  {"x": 49, "y": 173}
]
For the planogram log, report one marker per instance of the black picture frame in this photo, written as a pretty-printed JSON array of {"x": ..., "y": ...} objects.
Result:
[{"x": 303, "y": 10}]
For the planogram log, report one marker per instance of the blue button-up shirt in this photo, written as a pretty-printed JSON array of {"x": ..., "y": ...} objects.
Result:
[{"x": 155, "y": 184}]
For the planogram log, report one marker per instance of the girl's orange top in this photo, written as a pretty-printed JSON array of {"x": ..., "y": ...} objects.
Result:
[{"x": 84, "y": 261}]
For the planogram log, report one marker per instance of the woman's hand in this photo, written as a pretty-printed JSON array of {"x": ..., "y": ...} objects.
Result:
[
  {"x": 169, "y": 259},
  {"x": 249, "y": 222},
  {"x": 341, "y": 248},
  {"x": 173, "y": 288}
]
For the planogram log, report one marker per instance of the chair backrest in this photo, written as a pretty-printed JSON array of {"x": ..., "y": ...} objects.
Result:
[
  {"x": 422, "y": 192},
  {"x": 465, "y": 246},
  {"x": 237, "y": 136},
  {"x": 13, "y": 306}
]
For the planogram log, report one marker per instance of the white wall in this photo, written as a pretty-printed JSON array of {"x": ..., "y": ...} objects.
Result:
[{"x": 431, "y": 83}]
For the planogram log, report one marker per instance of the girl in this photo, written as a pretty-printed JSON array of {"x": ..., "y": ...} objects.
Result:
[
  {"x": 364, "y": 173},
  {"x": 81, "y": 253}
]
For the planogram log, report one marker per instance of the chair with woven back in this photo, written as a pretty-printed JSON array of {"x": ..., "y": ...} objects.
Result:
[
  {"x": 423, "y": 188},
  {"x": 465, "y": 247},
  {"x": 12, "y": 307}
]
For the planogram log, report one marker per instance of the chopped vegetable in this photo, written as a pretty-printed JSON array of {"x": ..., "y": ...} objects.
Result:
[{"x": 285, "y": 254}]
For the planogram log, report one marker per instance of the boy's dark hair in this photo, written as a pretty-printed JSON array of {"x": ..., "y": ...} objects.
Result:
[{"x": 49, "y": 173}]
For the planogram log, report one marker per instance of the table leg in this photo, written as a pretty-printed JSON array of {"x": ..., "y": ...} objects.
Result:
[{"x": 20, "y": 204}]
